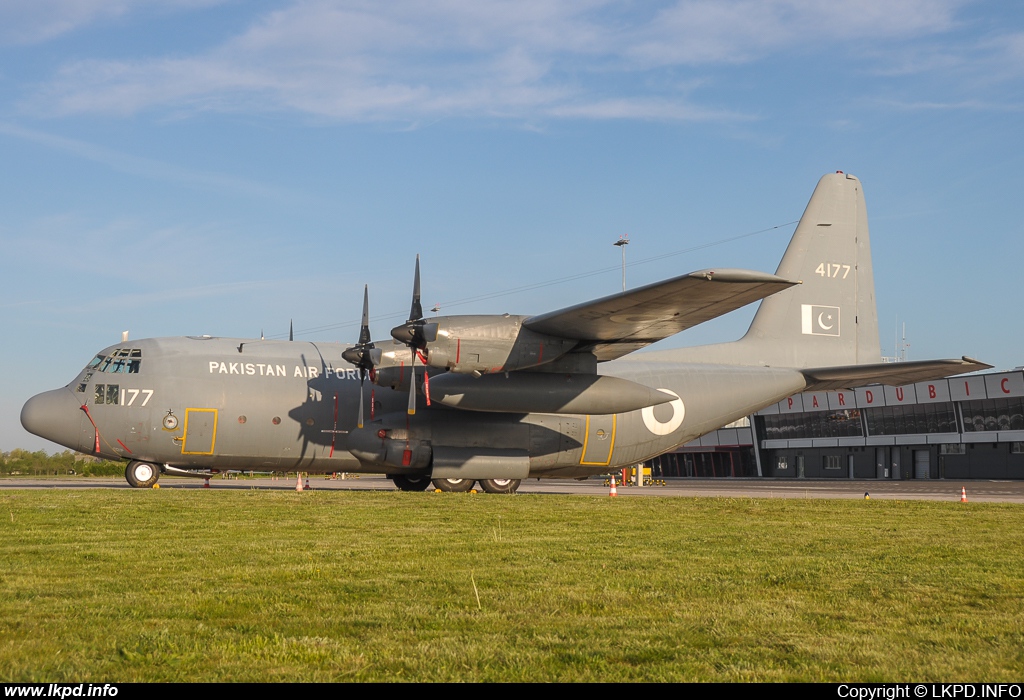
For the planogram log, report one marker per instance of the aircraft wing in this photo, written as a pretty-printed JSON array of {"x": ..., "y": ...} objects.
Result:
[
  {"x": 617, "y": 325},
  {"x": 891, "y": 373}
]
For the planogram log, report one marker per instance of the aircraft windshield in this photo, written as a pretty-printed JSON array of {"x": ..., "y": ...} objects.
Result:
[{"x": 121, "y": 361}]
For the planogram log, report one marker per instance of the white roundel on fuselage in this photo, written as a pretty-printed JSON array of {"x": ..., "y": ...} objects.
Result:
[{"x": 664, "y": 428}]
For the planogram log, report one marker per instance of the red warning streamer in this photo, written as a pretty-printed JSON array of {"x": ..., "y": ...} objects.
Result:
[
  {"x": 426, "y": 376},
  {"x": 335, "y": 433},
  {"x": 96, "y": 447}
]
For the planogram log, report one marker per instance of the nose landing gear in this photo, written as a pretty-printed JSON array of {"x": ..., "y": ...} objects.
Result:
[{"x": 141, "y": 475}]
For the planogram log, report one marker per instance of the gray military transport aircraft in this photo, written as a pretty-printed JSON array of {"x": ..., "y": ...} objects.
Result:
[{"x": 456, "y": 400}]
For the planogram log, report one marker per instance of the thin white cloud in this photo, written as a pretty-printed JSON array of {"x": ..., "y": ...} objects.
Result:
[
  {"x": 407, "y": 60},
  {"x": 36, "y": 21},
  {"x": 961, "y": 105},
  {"x": 146, "y": 167},
  {"x": 709, "y": 31}
]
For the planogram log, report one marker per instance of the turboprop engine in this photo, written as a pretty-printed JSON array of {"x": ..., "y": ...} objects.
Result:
[{"x": 482, "y": 344}]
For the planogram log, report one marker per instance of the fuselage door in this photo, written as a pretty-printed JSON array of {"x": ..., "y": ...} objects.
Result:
[
  {"x": 599, "y": 440},
  {"x": 200, "y": 431}
]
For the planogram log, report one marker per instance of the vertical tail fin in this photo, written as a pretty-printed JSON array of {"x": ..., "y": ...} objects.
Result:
[{"x": 829, "y": 319}]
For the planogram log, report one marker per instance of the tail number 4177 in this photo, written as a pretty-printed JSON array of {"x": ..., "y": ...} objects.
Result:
[{"x": 832, "y": 270}]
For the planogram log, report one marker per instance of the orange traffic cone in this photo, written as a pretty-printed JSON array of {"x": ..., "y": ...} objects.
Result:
[
  {"x": 298, "y": 481},
  {"x": 612, "y": 492},
  {"x": 307, "y": 480},
  {"x": 963, "y": 494}
]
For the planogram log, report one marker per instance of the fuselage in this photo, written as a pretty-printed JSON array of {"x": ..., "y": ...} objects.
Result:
[{"x": 218, "y": 403}]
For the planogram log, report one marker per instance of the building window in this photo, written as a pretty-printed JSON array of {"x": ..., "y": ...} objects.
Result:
[
  {"x": 917, "y": 419},
  {"x": 952, "y": 449},
  {"x": 820, "y": 424},
  {"x": 832, "y": 462},
  {"x": 993, "y": 414}
]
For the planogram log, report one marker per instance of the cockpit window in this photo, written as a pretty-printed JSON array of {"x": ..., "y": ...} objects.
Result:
[
  {"x": 121, "y": 361},
  {"x": 107, "y": 394}
]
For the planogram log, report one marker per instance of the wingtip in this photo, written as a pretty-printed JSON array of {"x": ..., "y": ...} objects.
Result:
[{"x": 978, "y": 363}]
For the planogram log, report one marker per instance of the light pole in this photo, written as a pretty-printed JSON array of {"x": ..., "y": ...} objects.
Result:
[{"x": 622, "y": 243}]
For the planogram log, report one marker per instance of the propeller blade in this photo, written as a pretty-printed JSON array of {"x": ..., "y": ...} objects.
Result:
[
  {"x": 416, "y": 312},
  {"x": 362, "y": 375},
  {"x": 363, "y": 354},
  {"x": 364, "y": 329},
  {"x": 412, "y": 385}
]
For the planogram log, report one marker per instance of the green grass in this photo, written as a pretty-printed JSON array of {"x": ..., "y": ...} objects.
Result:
[{"x": 254, "y": 585}]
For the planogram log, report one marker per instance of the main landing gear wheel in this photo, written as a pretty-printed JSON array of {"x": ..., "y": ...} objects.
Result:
[
  {"x": 411, "y": 483},
  {"x": 453, "y": 485},
  {"x": 500, "y": 485},
  {"x": 142, "y": 475}
]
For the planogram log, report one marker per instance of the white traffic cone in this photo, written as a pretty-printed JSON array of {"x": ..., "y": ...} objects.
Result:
[
  {"x": 206, "y": 484},
  {"x": 612, "y": 492},
  {"x": 307, "y": 480},
  {"x": 298, "y": 481},
  {"x": 963, "y": 494}
]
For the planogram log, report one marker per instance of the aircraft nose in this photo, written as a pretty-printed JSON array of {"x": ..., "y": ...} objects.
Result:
[{"x": 55, "y": 415}]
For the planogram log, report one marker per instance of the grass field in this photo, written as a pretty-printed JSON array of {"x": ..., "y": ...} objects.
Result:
[{"x": 381, "y": 586}]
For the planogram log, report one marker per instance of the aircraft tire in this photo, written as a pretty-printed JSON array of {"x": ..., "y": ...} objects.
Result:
[
  {"x": 404, "y": 482},
  {"x": 500, "y": 485},
  {"x": 453, "y": 485},
  {"x": 141, "y": 475}
]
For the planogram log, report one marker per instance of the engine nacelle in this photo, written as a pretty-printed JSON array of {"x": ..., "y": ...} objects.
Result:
[
  {"x": 386, "y": 443},
  {"x": 488, "y": 344},
  {"x": 469, "y": 345},
  {"x": 544, "y": 392}
]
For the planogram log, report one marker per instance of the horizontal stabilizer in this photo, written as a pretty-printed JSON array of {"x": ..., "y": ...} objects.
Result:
[
  {"x": 891, "y": 373},
  {"x": 616, "y": 325}
]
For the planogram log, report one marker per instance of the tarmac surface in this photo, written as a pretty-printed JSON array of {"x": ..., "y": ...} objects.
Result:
[{"x": 933, "y": 490}]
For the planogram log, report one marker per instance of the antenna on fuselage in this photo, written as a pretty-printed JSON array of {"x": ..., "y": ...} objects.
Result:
[
  {"x": 291, "y": 330},
  {"x": 124, "y": 336}
]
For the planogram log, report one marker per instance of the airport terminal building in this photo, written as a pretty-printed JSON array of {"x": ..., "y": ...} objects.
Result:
[{"x": 969, "y": 427}]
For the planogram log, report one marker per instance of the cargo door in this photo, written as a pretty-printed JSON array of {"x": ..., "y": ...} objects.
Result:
[{"x": 200, "y": 431}]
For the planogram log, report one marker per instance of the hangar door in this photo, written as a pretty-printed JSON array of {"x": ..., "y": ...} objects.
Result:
[{"x": 921, "y": 464}]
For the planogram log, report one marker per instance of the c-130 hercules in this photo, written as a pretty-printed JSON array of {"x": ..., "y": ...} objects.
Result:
[{"x": 496, "y": 399}]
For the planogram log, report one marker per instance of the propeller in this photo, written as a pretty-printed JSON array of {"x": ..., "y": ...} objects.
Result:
[
  {"x": 416, "y": 333},
  {"x": 363, "y": 354}
]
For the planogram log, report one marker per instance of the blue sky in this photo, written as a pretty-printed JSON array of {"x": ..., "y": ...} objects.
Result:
[{"x": 177, "y": 167}]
